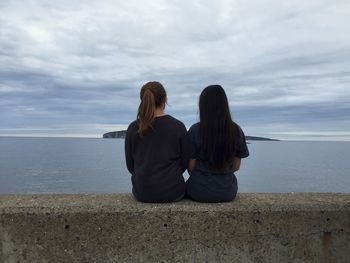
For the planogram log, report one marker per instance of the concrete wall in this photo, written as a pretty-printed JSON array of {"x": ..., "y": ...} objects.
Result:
[{"x": 114, "y": 228}]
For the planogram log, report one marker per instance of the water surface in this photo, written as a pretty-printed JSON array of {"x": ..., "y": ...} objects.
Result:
[{"x": 79, "y": 165}]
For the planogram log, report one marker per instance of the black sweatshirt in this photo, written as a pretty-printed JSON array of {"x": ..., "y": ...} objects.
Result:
[{"x": 157, "y": 160}]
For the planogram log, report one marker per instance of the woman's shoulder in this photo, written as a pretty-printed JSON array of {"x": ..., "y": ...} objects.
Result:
[
  {"x": 133, "y": 126},
  {"x": 194, "y": 127},
  {"x": 177, "y": 123},
  {"x": 193, "y": 132},
  {"x": 237, "y": 128}
]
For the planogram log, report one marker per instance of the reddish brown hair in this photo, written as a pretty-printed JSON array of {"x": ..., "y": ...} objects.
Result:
[{"x": 152, "y": 95}]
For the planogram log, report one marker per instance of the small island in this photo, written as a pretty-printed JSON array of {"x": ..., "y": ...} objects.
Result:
[
  {"x": 115, "y": 135},
  {"x": 121, "y": 135}
]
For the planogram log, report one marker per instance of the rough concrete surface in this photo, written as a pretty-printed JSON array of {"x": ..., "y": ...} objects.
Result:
[{"x": 300, "y": 227}]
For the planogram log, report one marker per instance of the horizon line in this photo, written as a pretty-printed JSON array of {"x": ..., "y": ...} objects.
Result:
[{"x": 96, "y": 137}]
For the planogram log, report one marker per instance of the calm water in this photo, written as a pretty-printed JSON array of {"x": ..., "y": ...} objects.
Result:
[{"x": 62, "y": 165}]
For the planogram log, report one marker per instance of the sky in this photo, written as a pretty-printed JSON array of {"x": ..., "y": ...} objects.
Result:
[{"x": 75, "y": 68}]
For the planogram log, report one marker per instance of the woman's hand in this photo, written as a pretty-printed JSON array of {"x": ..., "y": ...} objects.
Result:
[{"x": 192, "y": 164}]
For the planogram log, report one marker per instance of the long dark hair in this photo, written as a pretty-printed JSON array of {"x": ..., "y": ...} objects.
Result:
[
  {"x": 152, "y": 95},
  {"x": 217, "y": 130}
]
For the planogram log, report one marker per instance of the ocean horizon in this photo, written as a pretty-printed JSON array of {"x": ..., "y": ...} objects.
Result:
[{"x": 100, "y": 137}]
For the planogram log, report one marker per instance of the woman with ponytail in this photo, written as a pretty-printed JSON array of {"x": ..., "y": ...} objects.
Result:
[
  {"x": 218, "y": 144},
  {"x": 156, "y": 149}
]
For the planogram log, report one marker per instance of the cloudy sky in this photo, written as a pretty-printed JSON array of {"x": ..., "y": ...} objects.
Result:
[{"x": 75, "y": 68}]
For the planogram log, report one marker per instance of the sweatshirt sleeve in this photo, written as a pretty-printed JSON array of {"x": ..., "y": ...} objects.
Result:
[
  {"x": 242, "y": 149},
  {"x": 128, "y": 151},
  {"x": 193, "y": 144},
  {"x": 185, "y": 148}
]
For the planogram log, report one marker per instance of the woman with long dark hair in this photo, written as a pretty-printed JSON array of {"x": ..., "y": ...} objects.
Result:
[
  {"x": 218, "y": 144},
  {"x": 156, "y": 149}
]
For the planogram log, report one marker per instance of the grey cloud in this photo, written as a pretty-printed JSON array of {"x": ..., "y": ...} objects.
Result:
[{"x": 84, "y": 62}]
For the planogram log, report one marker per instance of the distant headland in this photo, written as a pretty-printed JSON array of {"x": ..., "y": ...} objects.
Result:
[{"x": 121, "y": 134}]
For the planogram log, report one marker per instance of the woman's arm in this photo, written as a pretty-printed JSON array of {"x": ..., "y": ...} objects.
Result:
[
  {"x": 191, "y": 164},
  {"x": 185, "y": 149},
  {"x": 236, "y": 163},
  {"x": 128, "y": 153}
]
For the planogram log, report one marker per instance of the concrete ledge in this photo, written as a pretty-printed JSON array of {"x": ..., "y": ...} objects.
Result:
[{"x": 302, "y": 227}]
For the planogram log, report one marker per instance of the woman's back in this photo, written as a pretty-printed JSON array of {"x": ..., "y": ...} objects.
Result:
[
  {"x": 218, "y": 144},
  {"x": 205, "y": 183},
  {"x": 157, "y": 160}
]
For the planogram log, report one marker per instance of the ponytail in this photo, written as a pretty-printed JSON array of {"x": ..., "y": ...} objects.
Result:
[
  {"x": 146, "y": 111},
  {"x": 152, "y": 95}
]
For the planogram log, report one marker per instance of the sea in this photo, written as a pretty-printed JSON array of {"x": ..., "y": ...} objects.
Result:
[{"x": 85, "y": 165}]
